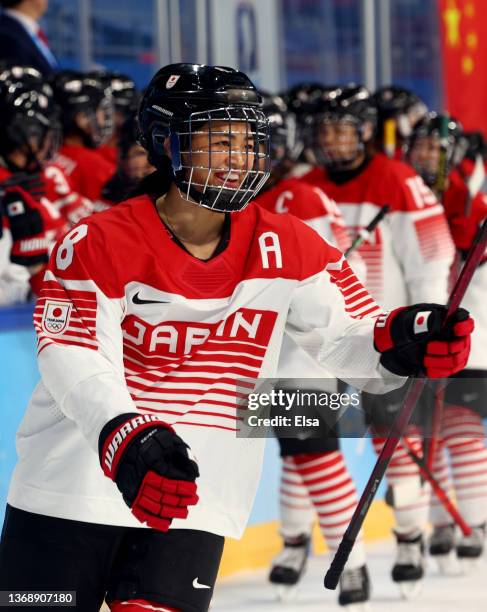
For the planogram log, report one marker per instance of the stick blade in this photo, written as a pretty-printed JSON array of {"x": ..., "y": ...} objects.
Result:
[{"x": 332, "y": 577}]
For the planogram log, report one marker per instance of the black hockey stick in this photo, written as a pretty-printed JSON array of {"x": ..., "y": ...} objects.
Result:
[
  {"x": 366, "y": 231},
  {"x": 416, "y": 386}
]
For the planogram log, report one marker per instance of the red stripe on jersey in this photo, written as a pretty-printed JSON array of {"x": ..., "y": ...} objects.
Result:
[
  {"x": 344, "y": 278},
  {"x": 65, "y": 316}
]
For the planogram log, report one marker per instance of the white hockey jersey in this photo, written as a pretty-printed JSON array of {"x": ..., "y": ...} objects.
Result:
[
  {"x": 128, "y": 321},
  {"x": 408, "y": 256}
]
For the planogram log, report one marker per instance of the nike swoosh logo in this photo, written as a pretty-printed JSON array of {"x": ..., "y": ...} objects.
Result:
[
  {"x": 198, "y": 585},
  {"x": 137, "y": 300}
]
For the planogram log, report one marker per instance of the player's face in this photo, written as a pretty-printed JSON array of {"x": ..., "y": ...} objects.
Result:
[
  {"x": 338, "y": 141},
  {"x": 104, "y": 121},
  {"x": 222, "y": 156},
  {"x": 136, "y": 166},
  {"x": 424, "y": 155}
]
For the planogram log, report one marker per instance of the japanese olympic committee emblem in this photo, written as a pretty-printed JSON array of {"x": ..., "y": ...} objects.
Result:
[{"x": 56, "y": 317}]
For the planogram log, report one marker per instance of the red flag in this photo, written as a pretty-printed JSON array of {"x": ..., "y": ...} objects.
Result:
[{"x": 464, "y": 46}]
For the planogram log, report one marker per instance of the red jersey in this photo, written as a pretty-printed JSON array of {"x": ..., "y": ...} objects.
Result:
[
  {"x": 464, "y": 228},
  {"x": 311, "y": 205},
  {"x": 110, "y": 153},
  {"x": 86, "y": 169},
  {"x": 409, "y": 254}
]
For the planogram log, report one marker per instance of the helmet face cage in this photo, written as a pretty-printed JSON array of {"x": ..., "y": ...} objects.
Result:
[
  {"x": 87, "y": 96},
  {"x": 32, "y": 125},
  {"x": 220, "y": 157},
  {"x": 337, "y": 140},
  {"x": 424, "y": 154},
  {"x": 105, "y": 118}
]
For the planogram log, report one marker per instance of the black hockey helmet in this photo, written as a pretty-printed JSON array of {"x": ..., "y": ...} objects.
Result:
[
  {"x": 352, "y": 102},
  {"x": 343, "y": 105},
  {"x": 124, "y": 92},
  {"x": 394, "y": 102},
  {"x": 475, "y": 145},
  {"x": 187, "y": 100},
  {"x": 302, "y": 97},
  {"x": 399, "y": 110},
  {"x": 282, "y": 126},
  {"x": 89, "y": 95},
  {"x": 430, "y": 134},
  {"x": 30, "y": 117},
  {"x": 302, "y": 100}
]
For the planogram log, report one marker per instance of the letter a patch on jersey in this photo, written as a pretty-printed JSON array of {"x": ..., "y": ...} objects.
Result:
[{"x": 56, "y": 316}]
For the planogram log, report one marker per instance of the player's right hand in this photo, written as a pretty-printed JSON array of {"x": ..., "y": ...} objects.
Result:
[{"x": 151, "y": 467}]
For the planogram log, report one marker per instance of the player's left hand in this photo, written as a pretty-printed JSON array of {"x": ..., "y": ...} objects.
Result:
[
  {"x": 151, "y": 467},
  {"x": 31, "y": 224},
  {"x": 413, "y": 340}
]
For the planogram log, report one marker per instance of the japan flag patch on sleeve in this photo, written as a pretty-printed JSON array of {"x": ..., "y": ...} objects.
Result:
[
  {"x": 56, "y": 316},
  {"x": 421, "y": 321}
]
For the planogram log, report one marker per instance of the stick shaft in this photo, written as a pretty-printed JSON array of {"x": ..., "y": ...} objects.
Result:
[{"x": 402, "y": 419}]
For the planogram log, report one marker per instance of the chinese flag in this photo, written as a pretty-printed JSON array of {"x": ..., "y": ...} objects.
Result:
[{"x": 464, "y": 46}]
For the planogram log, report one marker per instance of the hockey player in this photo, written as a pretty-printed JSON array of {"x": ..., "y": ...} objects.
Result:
[
  {"x": 399, "y": 109},
  {"x": 407, "y": 259},
  {"x": 87, "y": 116},
  {"x": 301, "y": 100},
  {"x": 150, "y": 313},
  {"x": 29, "y": 136},
  {"x": 309, "y": 483},
  {"x": 125, "y": 101},
  {"x": 462, "y": 433}
]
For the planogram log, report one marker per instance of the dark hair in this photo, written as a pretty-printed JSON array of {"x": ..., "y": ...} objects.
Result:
[
  {"x": 158, "y": 182},
  {"x": 9, "y": 3}
]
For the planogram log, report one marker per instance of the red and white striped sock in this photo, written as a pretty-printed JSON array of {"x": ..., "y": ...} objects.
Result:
[
  {"x": 297, "y": 511},
  {"x": 464, "y": 435},
  {"x": 404, "y": 476},
  {"x": 441, "y": 471},
  {"x": 332, "y": 491}
]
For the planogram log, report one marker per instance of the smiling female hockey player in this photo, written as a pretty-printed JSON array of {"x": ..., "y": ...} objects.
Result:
[{"x": 150, "y": 313}]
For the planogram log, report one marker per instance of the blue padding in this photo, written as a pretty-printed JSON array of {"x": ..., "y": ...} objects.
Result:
[
  {"x": 16, "y": 317},
  {"x": 18, "y": 375}
]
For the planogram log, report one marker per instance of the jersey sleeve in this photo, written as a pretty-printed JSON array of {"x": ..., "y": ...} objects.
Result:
[
  {"x": 421, "y": 239},
  {"x": 78, "y": 324},
  {"x": 332, "y": 317}
]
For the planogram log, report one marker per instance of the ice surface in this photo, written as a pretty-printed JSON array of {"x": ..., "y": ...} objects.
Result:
[{"x": 250, "y": 592}]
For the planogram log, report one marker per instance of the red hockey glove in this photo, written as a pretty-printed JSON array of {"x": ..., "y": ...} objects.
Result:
[
  {"x": 412, "y": 340},
  {"x": 151, "y": 467},
  {"x": 30, "y": 222},
  {"x": 463, "y": 231}
]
